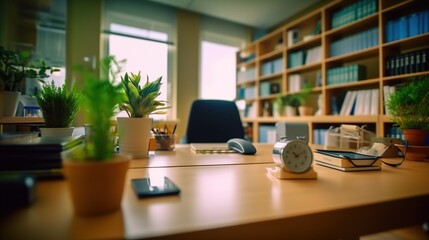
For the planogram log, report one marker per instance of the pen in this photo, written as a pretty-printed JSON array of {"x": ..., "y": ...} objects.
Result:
[{"x": 174, "y": 128}]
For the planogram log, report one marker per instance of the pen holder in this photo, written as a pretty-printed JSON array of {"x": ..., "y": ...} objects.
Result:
[{"x": 164, "y": 141}]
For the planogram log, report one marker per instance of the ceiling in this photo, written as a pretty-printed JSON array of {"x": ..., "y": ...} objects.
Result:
[{"x": 260, "y": 14}]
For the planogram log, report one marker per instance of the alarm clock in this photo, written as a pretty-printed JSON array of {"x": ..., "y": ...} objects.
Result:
[{"x": 293, "y": 155}]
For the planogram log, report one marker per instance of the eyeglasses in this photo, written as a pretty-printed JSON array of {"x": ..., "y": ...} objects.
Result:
[{"x": 403, "y": 153}]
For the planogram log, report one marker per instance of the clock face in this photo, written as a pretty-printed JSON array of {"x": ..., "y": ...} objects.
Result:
[{"x": 297, "y": 156}]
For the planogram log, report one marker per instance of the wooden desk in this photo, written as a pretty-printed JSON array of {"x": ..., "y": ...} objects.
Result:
[
  {"x": 20, "y": 120},
  {"x": 238, "y": 202},
  {"x": 184, "y": 156}
]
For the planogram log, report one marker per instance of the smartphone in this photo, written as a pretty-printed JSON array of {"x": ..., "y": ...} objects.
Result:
[
  {"x": 347, "y": 154},
  {"x": 149, "y": 187}
]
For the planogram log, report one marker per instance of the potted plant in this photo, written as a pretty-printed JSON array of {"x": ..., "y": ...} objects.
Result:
[
  {"x": 287, "y": 104},
  {"x": 408, "y": 107},
  {"x": 304, "y": 108},
  {"x": 59, "y": 106},
  {"x": 14, "y": 68},
  {"x": 138, "y": 102},
  {"x": 95, "y": 174}
]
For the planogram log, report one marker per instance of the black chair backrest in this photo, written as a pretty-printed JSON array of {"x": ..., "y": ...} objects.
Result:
[{"x": 213, "y": 121}]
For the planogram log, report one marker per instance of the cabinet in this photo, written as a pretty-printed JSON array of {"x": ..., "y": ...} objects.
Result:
[{"x": 353, "y": 52}]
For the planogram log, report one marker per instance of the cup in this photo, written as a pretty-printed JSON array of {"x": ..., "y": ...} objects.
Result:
[{"x": 164, "y": 142}]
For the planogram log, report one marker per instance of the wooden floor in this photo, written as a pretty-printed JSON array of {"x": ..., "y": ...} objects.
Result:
[{"x": 410, "y": 233}]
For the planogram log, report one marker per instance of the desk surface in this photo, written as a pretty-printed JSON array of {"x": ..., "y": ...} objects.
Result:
[{"x": 231, "y": 201}]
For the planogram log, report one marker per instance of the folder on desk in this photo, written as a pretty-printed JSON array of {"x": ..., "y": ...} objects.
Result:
[{"x": 211, "y": 148}]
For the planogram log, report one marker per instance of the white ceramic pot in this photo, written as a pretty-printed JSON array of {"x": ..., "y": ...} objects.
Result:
[
  {"x": 56, "y": 133},
  {"x": 9, "y": 101},
  {"x": 290, "y": 111},
  {"x": 134, "y": 135}
]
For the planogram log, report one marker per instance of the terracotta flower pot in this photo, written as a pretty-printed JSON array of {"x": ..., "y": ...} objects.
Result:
[
  {"x": 96, "y": 187},
  {"x": 305, "y": 110},
  {"x": 415, "y": 137}
]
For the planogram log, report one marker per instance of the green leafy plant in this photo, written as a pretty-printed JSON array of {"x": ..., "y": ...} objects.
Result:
[
  {"x": 59, "y": 105},
  {"x": 304, "y": 95},
  {"x": 408, "y": 105},
  {"x": 140, "y": 101},
  {"x": 16, "y": 66},
  {"x": 102, "y": 97},
  {"x": 286, "y": 100}
]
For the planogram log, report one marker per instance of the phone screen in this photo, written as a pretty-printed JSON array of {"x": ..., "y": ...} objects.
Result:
[
  {"x": 147, "y": 187},
  {"x": 347, "y": 154}
]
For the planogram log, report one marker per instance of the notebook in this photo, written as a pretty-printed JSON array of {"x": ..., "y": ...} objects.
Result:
[{"x": 211, "y": 148}]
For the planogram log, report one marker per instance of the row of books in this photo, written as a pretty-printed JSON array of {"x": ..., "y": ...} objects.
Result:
[
  {"x": 304, "y": 57},
  {"x": 348, "y": 73},
  {"x": 272, "y": 67},
  {"x": 356, "y": 42},
  {"x": 267, "y": 134},
  {"x": 361, "y": 102},
  {"x": 394, "y": 132},
  {"x": 246, "y": 92},
  {"x": 387, "y": 91},
  {"x": 268, "y": 88},
  {"x": 407, "y": 26},
  {"x": 246, "y": 75},
  {"x": 411, "y": 62},
  {"x": 319, "y": 136},
  {"x": 296, "y": 82},
  {"x": 250, "y": 110},
  {"x": 353, "y": 12}
]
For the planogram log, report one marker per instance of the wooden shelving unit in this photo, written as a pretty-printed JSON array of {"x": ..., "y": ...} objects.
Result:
[{"x": 314, "y": 30}]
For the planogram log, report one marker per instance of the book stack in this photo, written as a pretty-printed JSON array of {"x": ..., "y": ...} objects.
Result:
[
  {"x": 246, "y": 75},
  {"x": 416, "y": 61},
  {"x": 345, "y": 74},
  {"x": 361, "y": 102},
  {"x": 353, "y": 12},
  {"x": 347, "y": 161},
  {"x": 246, "y": 92},
  {"x": 305, "y": 57},
  {"x": 34, "y": 155},
  {"x": 407, "y": 26},
  {"x": 356, "y": 42},
  {"x": 272, "y": 67}
]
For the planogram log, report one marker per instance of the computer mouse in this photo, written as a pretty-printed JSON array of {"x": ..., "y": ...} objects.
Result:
[{"x": 242, "y": 146}]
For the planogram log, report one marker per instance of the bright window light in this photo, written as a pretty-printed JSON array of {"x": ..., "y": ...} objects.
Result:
[
  {"x": 148, "y": 57},
  {"x": 217, "y": 71}
]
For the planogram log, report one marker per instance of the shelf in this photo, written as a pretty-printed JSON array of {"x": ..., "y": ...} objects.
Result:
[
  {"x": 316, "y": 40},
  {"x": 373, "y": 59},
  {"x": 362, "y": 23},
  {"x": 355, "y": 55},
  {"x": 307, "y": 67},
  {"x": 21, "y": 120},
  {"x": 271, "y": 55},
  {"x": 353, "y": 84}
]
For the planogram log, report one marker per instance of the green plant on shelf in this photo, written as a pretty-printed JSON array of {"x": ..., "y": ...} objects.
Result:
[{"x": 408, "y": 105}]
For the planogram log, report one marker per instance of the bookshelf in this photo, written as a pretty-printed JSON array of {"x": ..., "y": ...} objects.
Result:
[{"x": 344, "y": 47}]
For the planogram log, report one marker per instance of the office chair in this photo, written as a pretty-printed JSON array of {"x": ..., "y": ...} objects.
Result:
[{"x": 213, "y": 121}]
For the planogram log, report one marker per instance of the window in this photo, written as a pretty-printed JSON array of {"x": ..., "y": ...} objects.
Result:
[
  {"x": 217, "y": 71},
  {"x": 145, "y": 51},
  {"x": 220, "y": 41}
]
